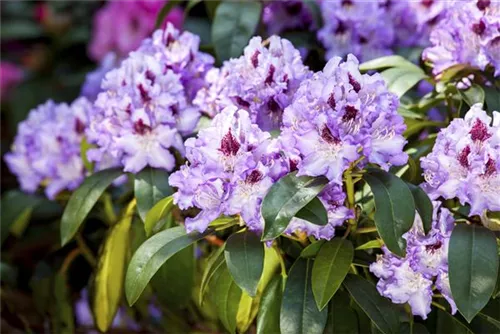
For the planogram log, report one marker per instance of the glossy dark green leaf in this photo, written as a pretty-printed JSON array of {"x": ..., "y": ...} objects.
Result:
[
  {"x": 395, "y": 208},
  {"x": 488, "y": 320},
  {"x": 473, "y": 267},
  {"x": 244, "y": 255},
  {"x": 227, "y": 300},
  {"x": 314, "y": 212},
  {"x": 423, "y": 205},
  {"x": 285, "y": 198},
  {"x": 472, "y": 95},
  {"x": 414, "y": 127},
  {"x": 312, "y": 250},
  {"x": 215, "y": 264},
  {"x": 381, "y": 311},
  {"x": 152, "y": 254},
  {"x": 211, "y": 7},
  {"x": 268, "y": 319},
  {"x": 175, "y": 279},
  {"x": 492, "y": 98},
  {"x": 157, "y": 213},
  {"x": 299, "y": 313},
  {"x": 150, "y": 186},
  {"x": 401, "y": 79},
  {"x": 330, "y": 268},
  {"x": 83, "y": 200},
  {"x": 234, "y": 23},
  {"x": 341, "y": 317},
  {"x": 167, "y": 7},
  {"x": 446, "y": 323},
  {"x": 15, "y": 205}
]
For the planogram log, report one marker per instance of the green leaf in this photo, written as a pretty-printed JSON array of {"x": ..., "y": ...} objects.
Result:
[
  {"x": 108, "y": 283},
  {"x": 299, "y": 313},
  {"x": 423, "y": 205},
  {"x": 377, "y": 243},
  {"x": 395, "y": 209},
  {"x": 211, "y": 7},
  {"x": 234, "y": 24},
  {"x": 473, "y": 267},
  {"x": 341, "y": 317},
  {"x": 167, "y": 7},
  {"x": 472, "y": 95},
  {"x": 152, "y": 254},
  {"x": 244, "y": 255},
  {"x": 330, "y": 268},
  {"x": 446, "y": 323},
  {"x": 386, "y": 62},
  {"x": 83, "y": 200},
  {"x": 84, "y": 147},
  {"x": 150, "y": 186},
  {"x": 312, "y": 249},
  {"x": 402, "y": 79},
  {"x": 414, "y": 127},
  {"x": 15, "y": 205},
  {"x": 314, "y": 212},
  {"x": 227, "y": 300},
  {"x": 488, "y": 320},
  {"x": 191, "y": 4},
  {"x": 215, "y": 264},
  {"x": 381, "y": 311},
  {"x": 62, "y": 310},
  {"x": 285, "y": 199},
  {"x": 157, "y": 212},
  {"x": 492, "y": 98},
  {"x": 268, "y": 319},
  {"x": 175, "y": 279}
]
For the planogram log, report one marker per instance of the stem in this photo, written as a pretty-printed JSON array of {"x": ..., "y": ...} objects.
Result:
[
  {"x": 354, "y": 270},
  {"x": 68, "y": 260},
  {"x": 282, "y": 264},
  {"x": 350, "y": 197},
  {"x": 109, "y": 211},
  {"x": 349, "y": 226},
  {"x": 85, "y": 250},
  {"x": 439, "y": 306},
  {"x": 366, "y": 230}
]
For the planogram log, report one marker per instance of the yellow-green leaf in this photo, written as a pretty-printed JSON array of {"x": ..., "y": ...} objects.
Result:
[
  {"x": 108, "y": 283},
  {"x": 157, "y": 212}
]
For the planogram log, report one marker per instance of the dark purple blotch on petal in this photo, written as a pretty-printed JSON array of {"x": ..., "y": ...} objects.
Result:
[{"x": 229, "y": 146}]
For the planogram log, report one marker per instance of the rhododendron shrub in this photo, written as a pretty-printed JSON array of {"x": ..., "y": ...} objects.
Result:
[{"x": 309, "y": 167}]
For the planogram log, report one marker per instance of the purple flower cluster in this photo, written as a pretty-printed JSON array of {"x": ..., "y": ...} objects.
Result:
[
  {"x": 280, "y": 16},
  {"x": 410, "y": 279},
  {"x": 145, "y": 107},
  {"x": 465, "y": 162},
  {"x": 232, "y": 165},
  {"x": 468, "y": 34},
  {"x": 339, "y": 116},
  {"x": 262, "y": 81},
  {"x": 46, "y": 150},
  {"x": 371, "y": 29},
  {"x": 92, "y": 85}
]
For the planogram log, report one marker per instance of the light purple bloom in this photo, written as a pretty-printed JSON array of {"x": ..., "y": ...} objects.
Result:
[
  {"x": 145, "y": 107},
  {"x": 339, "y": 115},
  {"x": 262, "y": 81},
  {"x": 92, "y": 85},
  {"x": 468, "y": 34},
  {"x": 410, "y": 279},
  {"x": 465, "y": 162},
  {"x": 46, "y": 150},
  {"x": 280, "y": 16}
]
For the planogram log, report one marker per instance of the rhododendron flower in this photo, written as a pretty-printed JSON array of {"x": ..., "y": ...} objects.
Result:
[
  {"x": 410, "y": 279},
  {"x": 280, "y": 16},
  {"x": 339, "y": 115},
  {"x": 145, "y": 107},
  {"x": 465, "y": 162},
  {"x": 120, "y": 26},
  {"x": 10, "y": 75},
  {"x": 468, "y": 34},
  {"x": 46, "y": 150},
  {"x": 262, "y": 81}
]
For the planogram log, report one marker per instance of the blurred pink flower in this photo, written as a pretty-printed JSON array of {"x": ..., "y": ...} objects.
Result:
[
  {"x": 120, "y": 26},
  {"x": 10, "y": 75}
]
